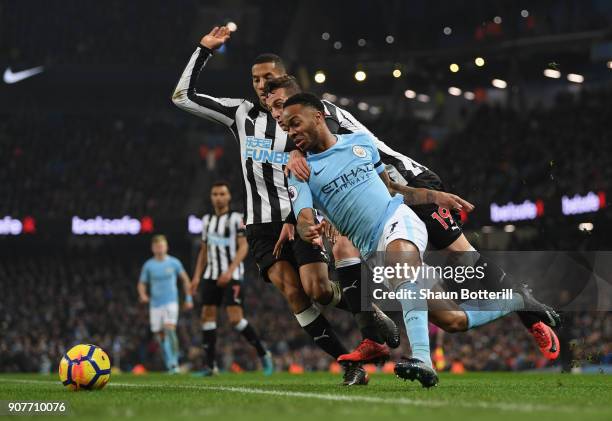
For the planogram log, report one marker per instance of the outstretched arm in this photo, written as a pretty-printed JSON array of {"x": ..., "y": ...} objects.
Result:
[
  {"x": 186, "y": 97},
  {"x": 420, "y": 196}
]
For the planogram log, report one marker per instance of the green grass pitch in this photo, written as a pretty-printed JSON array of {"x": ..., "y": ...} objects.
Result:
[{"x": 318, "y": 396}]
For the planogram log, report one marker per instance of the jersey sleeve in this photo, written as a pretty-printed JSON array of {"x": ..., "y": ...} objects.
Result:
[
  {"x": 186, "y": 97},
  {"x": 144, "y": 274},
  {"x": 300, "y": 195},
  {"x": 239, "y": 224},
  {"x": 178, "y": 265},
  {"x": 371, "y": 142},
  {"x": 205, "y": 220}
]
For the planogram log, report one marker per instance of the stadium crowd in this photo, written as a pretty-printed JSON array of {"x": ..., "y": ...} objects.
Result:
[{"x": 63, "y": 166}]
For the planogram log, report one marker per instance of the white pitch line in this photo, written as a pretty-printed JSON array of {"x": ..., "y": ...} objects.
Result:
[{"x": 527, "y": 407}]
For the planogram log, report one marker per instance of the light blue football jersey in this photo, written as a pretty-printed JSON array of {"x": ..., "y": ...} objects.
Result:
[
  {"x": 345, "y": 186},
  {"x": 161, "y": 275}
]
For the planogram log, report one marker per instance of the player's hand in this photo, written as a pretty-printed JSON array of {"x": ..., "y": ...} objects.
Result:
[
  {"x": 188, "y": 305},
  {"x": 224, "y": 279},
  {"x": 297, "y": 166},
  {"x": 287, "y": 234},
  {"x": 330, "y": 231},
  {"x": 144, "y": 299},
  {"x": 452, "y": 201},
  {"x": 195, "y": 283},
  {"x": 216, "y": 38},
  {"x": 313, "y": 234}
]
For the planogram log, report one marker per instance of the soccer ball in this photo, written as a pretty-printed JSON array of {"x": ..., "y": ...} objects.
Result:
[{"x": 84, "y": 367}]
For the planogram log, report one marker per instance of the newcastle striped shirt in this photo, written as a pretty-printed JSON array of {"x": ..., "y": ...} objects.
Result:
[
  {"x": 220, "y": 233},
  {"x": 264, "y": 146},
  {"x": 401, "y": 169}
]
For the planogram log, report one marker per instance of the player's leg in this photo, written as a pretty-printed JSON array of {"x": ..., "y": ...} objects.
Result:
[
  {"x": 170, "y": 319},
  {"x": 285, "y": 278},
  {"x": 312, "y": 263},
  {"x": 373, "y": 323},
  {"x": 212, "y": 297},
  {"x": 445, "y": 233},
  {"x": 281, "y": 272},
  {"x": 317, "y": 285},
  {"x": 234, "y": 299},
  {"x": 157, "y": 328},
  {"x": 375, "y": 326},
  {"x": 403, "y": 241}
]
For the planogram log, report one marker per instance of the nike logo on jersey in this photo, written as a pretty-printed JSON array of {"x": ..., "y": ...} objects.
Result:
[
  {"x": 323, "y": 335},
  {"x": 319, "y": 172},
  {"x": 11, "y": 77}
]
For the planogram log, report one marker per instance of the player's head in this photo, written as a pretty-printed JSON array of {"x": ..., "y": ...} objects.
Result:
[
  {"x": 159, "y": 245},
  {"x": 266, "y": 67},
  {"x": 220, "y": 195},
  {"x": 304, "y": 118},
  {"x": 277, "y": 91}
]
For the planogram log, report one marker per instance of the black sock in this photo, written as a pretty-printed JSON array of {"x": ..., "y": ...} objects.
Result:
[
  {"x": 251, "y": 336},
  {"x": 319, "y": 329},
  {"x": 349, "y": 278},
  {"x": 496, "y": 279},
  {"x": 209, "y": 340},
  {"x": 350, "y": 282}
]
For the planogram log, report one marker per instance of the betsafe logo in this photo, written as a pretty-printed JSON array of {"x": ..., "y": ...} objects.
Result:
[
  {"x": 107, "y": 226},
  {"x": 14, "y": 226}
]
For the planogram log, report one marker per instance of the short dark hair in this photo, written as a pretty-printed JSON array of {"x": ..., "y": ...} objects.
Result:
[
  {"x": 270, "y": 58},
  {"x": 306, "y": 99},
  {"x": 288, "y": 82},
  {"x": 221, "y": 183}
]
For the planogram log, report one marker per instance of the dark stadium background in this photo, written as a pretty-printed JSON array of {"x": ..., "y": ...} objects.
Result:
[{"x": 96, "y": 134}]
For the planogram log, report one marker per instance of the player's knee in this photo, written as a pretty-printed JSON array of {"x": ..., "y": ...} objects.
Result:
[
  {"x": 344, "y": 249},
  {"x": 317, "y": 289},
  {"x": 234, "y": 315},
  {"x": 456, "y": 322},
  {"x": 297, "y": 299},
  {"x": 209, "y": 314}
]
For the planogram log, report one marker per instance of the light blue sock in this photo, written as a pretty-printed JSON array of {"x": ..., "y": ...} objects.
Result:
[
  {"x": 481, "y": 312},
  {"x": 174, "y": 351},
  {"x": 167, "y": 347},
  {"x": 417, "y": 324}
]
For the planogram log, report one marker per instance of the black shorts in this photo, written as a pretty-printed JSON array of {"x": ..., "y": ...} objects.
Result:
[
  {"x": 263, "y": 237},
  {"x": 443, "y": 227},
  {"x": 229, "y": 295}
]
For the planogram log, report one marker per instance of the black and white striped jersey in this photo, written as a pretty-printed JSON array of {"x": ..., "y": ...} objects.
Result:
[
  {"x": 220, "y": 233},
  {"x": 264, "y": 146},
  {"x": 401, "y": 168}
]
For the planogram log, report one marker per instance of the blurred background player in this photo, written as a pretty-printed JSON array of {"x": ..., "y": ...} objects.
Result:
[
  {"x": 220, "y": 267},
  {"x": 160, "y": 273}
]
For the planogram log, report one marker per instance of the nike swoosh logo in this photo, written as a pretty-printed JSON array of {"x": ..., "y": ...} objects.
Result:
[
  {"x": 11, "y": 77},
  {"x": 319, "y": 172}
]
